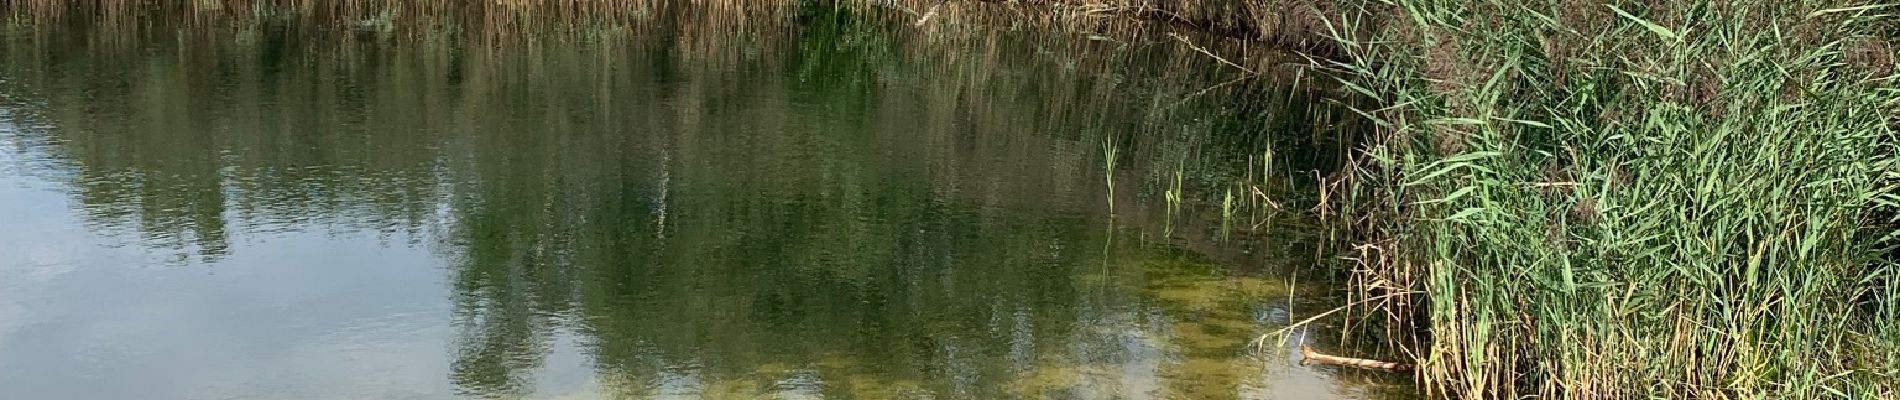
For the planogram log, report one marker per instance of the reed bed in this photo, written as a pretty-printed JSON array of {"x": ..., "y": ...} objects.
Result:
[{"x": 1610, "y": 200}]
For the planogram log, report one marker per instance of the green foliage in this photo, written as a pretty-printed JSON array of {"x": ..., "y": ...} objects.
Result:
[{"x": 1663, "y": 200}]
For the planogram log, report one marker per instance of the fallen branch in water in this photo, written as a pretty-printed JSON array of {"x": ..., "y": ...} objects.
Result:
[{"x": 1308, "y": 356}]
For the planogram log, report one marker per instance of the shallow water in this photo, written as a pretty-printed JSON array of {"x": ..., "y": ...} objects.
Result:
[{"x": 813, "y": 205}]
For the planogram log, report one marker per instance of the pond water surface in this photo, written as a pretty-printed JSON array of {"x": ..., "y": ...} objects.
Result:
[{"x": 807, "y": 205}]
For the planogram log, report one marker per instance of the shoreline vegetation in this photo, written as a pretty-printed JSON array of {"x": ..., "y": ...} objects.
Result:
[
  {"x": 1610, "y": 200},
  {"x": 1554, "y": 199},
  {"x": 1628, "y": 200}
]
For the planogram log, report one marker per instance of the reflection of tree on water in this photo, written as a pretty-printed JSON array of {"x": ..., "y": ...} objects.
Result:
[
  {"x": 792, "y": 248},
  {"x": 885, "y": 289},
  {"x": 183, "y": 142},
  {"x": 184, "y": 134},
  {"x": 708, "y": 210},
  {"x": 788, "y": 242},
  {"x": 727, "y": 298}
]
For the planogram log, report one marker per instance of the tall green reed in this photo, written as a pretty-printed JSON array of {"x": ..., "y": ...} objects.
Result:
[{"x": 1622, "y": 200}]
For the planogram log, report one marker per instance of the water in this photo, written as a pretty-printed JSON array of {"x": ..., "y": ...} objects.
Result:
[{"x": 810, "y": 204}]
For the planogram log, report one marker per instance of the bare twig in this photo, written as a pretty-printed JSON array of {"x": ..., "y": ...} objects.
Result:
[
  {"x": 1261, "y": 342},
  {"x": 1190, "y": 44},
  {"x": 929, "y": 13},
  {"x": 1552, "y": 184}
]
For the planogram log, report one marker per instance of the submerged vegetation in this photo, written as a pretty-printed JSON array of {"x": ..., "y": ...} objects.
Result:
[{"x": 1561, "y": 199}]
